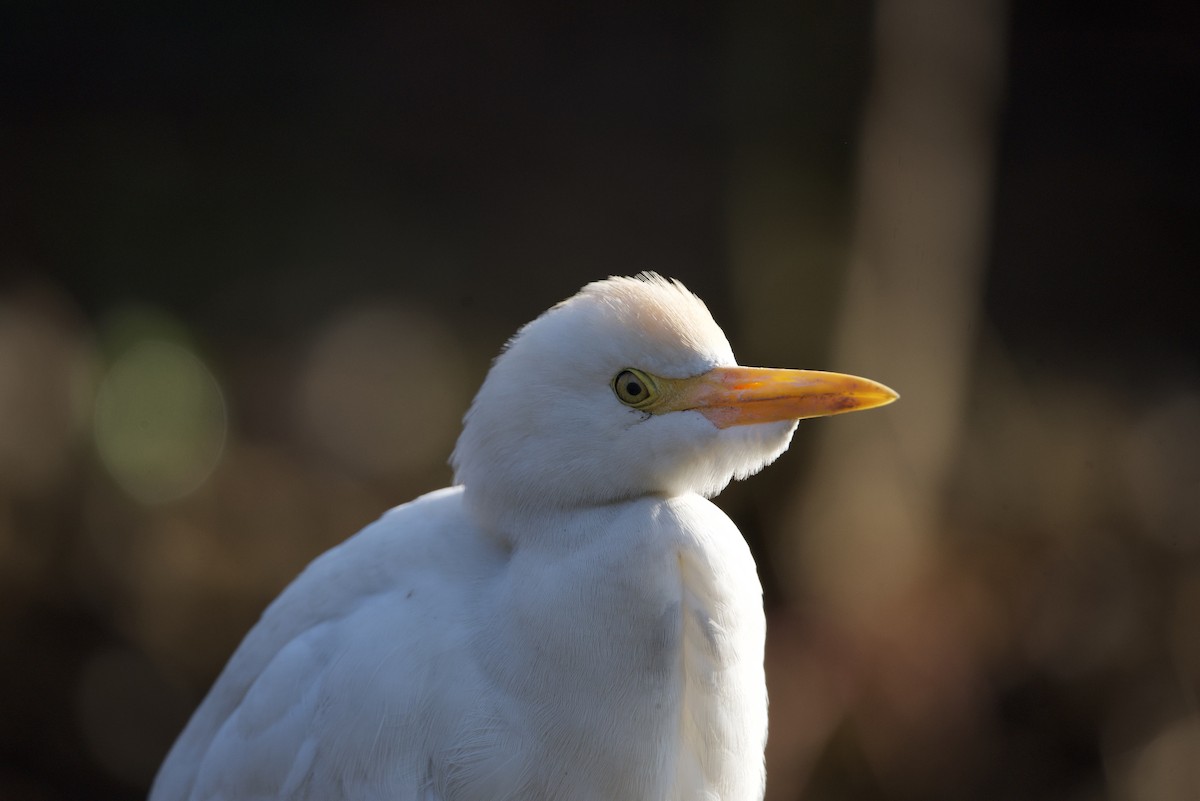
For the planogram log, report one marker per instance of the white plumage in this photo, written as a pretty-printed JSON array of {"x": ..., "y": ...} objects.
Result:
[{"x": 571, "y": 621}]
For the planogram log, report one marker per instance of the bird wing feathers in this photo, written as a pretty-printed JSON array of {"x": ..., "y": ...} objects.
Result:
[{"x": 327, "y": 693}]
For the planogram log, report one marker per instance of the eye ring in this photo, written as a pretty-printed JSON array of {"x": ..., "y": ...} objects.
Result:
[{"x": 634, "y": 388}]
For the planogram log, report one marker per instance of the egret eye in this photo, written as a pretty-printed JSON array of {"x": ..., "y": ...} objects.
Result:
[{"x": 635, "y": 388}]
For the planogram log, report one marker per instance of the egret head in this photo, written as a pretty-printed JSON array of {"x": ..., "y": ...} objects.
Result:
[{"x": 630, "y": 388}]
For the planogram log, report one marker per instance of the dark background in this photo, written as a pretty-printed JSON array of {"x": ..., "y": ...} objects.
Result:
[{"x": 291, "y": 237}]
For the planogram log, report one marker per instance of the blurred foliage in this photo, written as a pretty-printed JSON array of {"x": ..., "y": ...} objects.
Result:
[{"x": 254, "y": 261}]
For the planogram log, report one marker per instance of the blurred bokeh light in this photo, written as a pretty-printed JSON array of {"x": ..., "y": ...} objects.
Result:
[
  {"x": 403, "y": 411},
  {"x": 254, "y": 262},
  {"x": 160, "y": 421}
]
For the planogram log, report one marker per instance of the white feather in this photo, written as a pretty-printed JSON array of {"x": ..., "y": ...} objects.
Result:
[{"x": 574, "y": 621}]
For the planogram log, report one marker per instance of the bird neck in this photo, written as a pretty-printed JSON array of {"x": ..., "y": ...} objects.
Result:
[{"x": 527, "y": 521}]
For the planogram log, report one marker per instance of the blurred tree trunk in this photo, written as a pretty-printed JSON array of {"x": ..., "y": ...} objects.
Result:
[{"x": 911, "y": 303}]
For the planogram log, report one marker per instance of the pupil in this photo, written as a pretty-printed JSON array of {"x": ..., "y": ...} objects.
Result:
[{"x": 633, "y": 388}]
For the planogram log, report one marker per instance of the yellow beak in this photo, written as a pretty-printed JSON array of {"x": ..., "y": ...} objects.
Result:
[{"x": 738, "y": 396}]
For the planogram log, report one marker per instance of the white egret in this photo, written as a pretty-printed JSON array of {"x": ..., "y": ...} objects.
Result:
[{"x": 571, "y": 621}]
